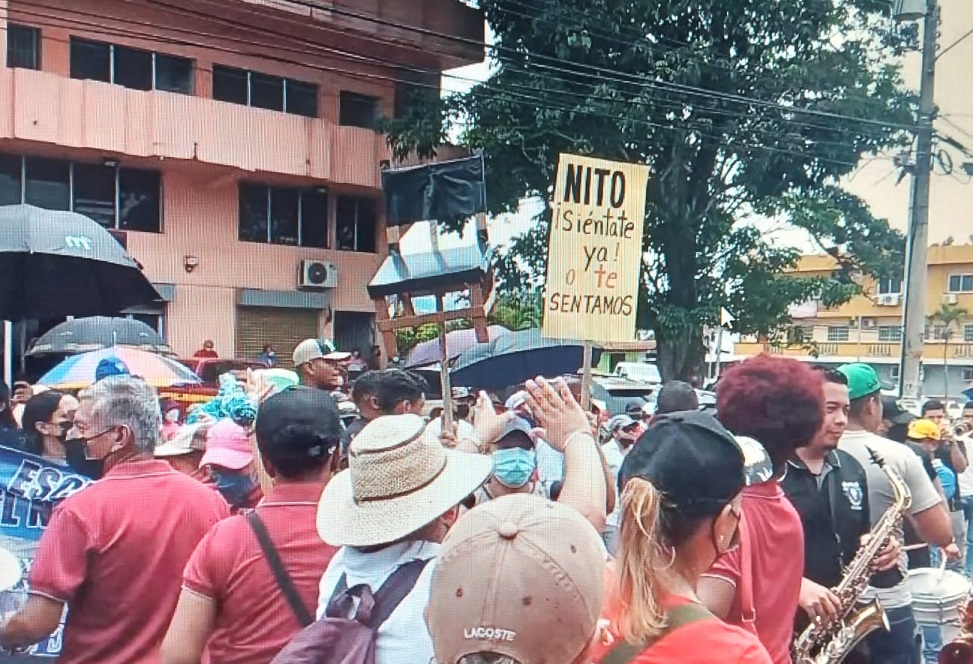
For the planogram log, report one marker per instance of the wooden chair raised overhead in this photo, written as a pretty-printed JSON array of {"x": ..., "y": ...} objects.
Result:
[{"x": 449, "y": 189}]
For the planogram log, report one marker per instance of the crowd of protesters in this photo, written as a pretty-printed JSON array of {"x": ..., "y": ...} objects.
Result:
[{"x": 336, "y": 521}]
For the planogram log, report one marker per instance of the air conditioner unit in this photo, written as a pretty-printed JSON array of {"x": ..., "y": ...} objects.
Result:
[
  {"x": 853, "y": 323},
  {"x": 888, "y": 300},
  {"x": 950, "y": 298},
  {"x": 869, "y": 323},
  {"x": 317, "y": 274}
]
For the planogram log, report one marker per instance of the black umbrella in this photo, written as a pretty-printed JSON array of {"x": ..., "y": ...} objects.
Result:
[
  {"x": 514, "y": 357},
  {"x": 85, "y": 334},
  {"x": 55, "y": 264}
]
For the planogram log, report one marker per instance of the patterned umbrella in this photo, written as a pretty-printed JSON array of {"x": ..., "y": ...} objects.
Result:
[
  {"x": 83, "y": 334},
  {"x": 78, "y": 371}
]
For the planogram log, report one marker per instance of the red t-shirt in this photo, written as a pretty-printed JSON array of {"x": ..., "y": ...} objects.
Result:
[
  {"x": 777, "y": 565},
  {"x": 699, "y": 642},
  {"x": 115, "y": 552},
  {"x": 255, "y": 621}
]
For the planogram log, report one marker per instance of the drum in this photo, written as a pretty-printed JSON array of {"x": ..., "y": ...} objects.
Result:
[{"x": 937, "y": 597}]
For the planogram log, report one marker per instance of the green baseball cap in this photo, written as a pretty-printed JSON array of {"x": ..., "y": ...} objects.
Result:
[{"x": 862, "y": 380}]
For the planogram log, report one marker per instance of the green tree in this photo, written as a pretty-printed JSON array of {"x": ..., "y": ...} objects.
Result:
[
  {"x": 743, "y": 110},
  {"x": 948, "y": 317}
]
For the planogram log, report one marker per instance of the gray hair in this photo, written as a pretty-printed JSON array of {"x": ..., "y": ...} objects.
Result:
[
  {"x": 486, "y": 658},
  {"x": 129, "y": 402}
]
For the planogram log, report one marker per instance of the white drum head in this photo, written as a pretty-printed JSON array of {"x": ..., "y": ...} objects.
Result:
[{"x": 11, "y": 571}]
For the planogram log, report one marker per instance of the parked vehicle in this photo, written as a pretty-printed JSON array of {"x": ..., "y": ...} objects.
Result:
[{"x": 642, "y": 372}]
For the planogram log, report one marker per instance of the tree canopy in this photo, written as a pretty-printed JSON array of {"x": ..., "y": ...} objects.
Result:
[{"x": 743, "y": 110}]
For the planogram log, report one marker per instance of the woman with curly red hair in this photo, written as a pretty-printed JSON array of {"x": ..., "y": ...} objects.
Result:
[{"x": 779, "y": 403}]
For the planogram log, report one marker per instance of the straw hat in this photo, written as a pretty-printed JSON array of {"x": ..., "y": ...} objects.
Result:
[{"x": 398, "y": 480}]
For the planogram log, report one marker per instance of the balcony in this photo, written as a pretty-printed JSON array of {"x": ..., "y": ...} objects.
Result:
[
  {"x": 880, "y": 353},
  {"x": 46, "y": 108}
]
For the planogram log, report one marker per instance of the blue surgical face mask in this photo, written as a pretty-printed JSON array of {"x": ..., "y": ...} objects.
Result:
[
  {"x": 513, "y": 467},
  {"x": 234, "y": 486}
]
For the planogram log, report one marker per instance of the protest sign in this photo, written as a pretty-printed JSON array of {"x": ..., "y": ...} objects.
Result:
[
  {"x": 594, "y": 259},
  {"x": 30, "y": 487}
]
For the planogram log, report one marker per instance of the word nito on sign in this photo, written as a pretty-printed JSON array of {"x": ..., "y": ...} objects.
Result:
[{"x": 594, "y": 257}]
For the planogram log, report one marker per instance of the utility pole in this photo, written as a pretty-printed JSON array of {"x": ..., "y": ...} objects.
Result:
[{"x": 914, "y": 320}]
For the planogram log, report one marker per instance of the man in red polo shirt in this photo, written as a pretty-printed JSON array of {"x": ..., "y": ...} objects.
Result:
[
  {"x": 114, "y": 553},
  {"x": 234, "y": 608}
]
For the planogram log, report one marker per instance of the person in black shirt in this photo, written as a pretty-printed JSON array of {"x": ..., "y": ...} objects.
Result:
[
  {"x": 9, "y": 430},
  {"x": 829, "y": 489}
]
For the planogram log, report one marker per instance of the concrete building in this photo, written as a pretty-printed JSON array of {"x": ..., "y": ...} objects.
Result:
[
  {"x": 229, "y": 145},
  {"x": 869, "y": 327}
]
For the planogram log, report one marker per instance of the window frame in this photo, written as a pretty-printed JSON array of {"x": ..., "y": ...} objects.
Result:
[
  {"x": 116, "y": 225},
  {"x": 894, "y": 372},
  {"x": 893, "y": 332},
  {"x": 301, "y": 193},
  {"x": 24, "y": 30},
  {"x": 113, "y": 66},
  {"x": 968, "y": 333},
  {"x": 885, "y": 286},
  {"x": 285, "y": 82},
  {"x": 357, "y": 221},
  {"x": 961, "y": 276},
  {"x": 967, "y": 375},
  {"x": 833, "y": 336},
  {"x": 360, "y": 97}
]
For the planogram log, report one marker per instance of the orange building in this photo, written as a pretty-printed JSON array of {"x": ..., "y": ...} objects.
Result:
[
  {"x": 869, "y": 327},
  {"x": 228, "y": 144}
]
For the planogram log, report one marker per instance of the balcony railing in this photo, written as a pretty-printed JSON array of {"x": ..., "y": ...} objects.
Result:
[{"x": 45, "y": 108}]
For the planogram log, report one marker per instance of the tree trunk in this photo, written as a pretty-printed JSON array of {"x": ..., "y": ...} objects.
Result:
[{"x": 681, "y": 358}]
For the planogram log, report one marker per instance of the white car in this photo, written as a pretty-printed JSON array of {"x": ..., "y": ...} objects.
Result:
[{"x": 642, "y": 372}]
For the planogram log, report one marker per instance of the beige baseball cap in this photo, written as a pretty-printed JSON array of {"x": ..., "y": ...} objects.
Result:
[{"x": 519, "y": 576}]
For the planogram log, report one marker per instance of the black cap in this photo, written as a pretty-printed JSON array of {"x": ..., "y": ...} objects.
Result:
[
  {"x": 894, "y": 413},
  {"x": 691, "y": 459},
  {"x": 676, "y": 396},
  {"x": 299, "y": 423}
]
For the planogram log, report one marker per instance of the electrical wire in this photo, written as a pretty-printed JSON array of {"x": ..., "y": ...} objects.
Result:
[
  {"x": 602, "y": 71},
  {"x": 528, "y": 99}
]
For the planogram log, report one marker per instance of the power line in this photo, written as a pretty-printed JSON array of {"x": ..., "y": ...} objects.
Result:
[{"x": 367, "y": 60}]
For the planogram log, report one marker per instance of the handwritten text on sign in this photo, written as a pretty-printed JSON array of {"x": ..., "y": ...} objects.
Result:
[{"x": 594, "y": 256}]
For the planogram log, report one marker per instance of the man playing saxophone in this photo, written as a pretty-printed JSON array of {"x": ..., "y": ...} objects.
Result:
[
  {"x": 829, "y": 489},
  {"x": 927, "y": 511}
]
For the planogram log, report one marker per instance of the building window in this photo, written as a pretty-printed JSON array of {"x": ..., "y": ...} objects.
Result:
[
  {"x": 890, "y": 333},
  {"x": 889, "y": 286},
  {"x": 282, "y": 215},
  {"x": 355, "y": 110},
  {"x": 968, "y": 334},
  {"x": 838, "y": 334},
  {"x": 937, "y": 332},
  {"x": 155, "y": 321},
  {"x": 117, "y": 198},
  {"x": 249, "y": 88},
  {"x": 967, "y": 375},
  {"x": 355, "y": 223},
  {"x": 23, "y": 47},
  {"x": 894, "y": 372},
  {"x": 961, "y": 283},
  {"x": 130, "y": 67}
]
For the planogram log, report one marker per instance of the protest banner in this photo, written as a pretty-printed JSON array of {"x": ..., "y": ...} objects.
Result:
[
  {"x": 30, "y": 487},
  {"x": 594, "y": 259}
]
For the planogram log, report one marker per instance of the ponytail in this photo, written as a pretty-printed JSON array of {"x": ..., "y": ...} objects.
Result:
[{"x": 642, "y": 558}]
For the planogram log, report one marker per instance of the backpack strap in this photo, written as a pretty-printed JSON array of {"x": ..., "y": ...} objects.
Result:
[
  {"x": 748, "y": 611},
  {"x": 680, "y": 616},
  {"x": 395, "y": 589},
  {"x": 284, "y": 581}
]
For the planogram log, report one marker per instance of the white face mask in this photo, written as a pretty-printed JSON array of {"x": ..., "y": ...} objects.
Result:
[{"x": 172, "y": 416}]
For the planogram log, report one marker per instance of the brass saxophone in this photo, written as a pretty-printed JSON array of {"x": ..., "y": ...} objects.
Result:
[{"x": 830, "y": 643}]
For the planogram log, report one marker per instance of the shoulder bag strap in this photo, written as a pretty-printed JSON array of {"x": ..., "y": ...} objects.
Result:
[
  {"x": 682, "y": 615},
  {"x": 284, "y": 581},
  {"x": 395, "y": 589},
  {"x": 747, "y": 610}
]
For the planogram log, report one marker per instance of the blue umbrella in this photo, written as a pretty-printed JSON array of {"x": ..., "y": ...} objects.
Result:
[{"x": 515, "y": 357}]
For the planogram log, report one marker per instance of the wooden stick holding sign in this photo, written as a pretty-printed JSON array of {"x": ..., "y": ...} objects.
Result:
[
  {"x": 586, "y": 376},
  {"x": 447, "y": 424}
]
